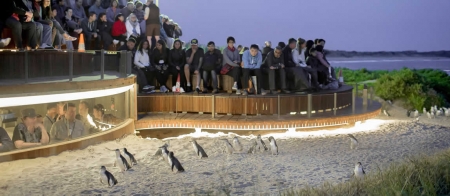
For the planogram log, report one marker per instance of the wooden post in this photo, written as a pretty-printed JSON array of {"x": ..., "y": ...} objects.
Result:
[
  {"x": 335, "y": 104},
  {"x": 278, "y": 106},
  {"x": 70, "y": 65},
  {"x": 309, "y": 105},
  {"x": 213, "y": 109},
  {"x": 353, "y": 101},
  {"x": 102, "y": 64},
  {"x": 364, "y": 97},
  {"x": 371, "y": 95},
  {"x": 26, "y": 67},
  {"x": 356, "y": 88},
  {"x": 123, "y": 64}
]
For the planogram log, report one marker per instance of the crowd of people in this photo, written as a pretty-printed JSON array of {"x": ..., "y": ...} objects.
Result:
[
  {"x": 49, "y": 24},
  {"x": 60, "y": 123},
  {"x": 299, "y": 66}
]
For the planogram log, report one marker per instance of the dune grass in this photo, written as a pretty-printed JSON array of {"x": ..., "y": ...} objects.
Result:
[{"x": 421, "y": 175}]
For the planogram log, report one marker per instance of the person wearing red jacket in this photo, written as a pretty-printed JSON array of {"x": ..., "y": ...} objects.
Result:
[{"x": 118, "y": 30}]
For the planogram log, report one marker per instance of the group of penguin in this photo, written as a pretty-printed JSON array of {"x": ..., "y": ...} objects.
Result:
[
  {"x": 125, "y": 161},
  {"x": 431, "y": 114}
]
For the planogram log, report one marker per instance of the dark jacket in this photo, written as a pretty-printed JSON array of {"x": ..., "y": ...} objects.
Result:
[
  {"x": 266, "y": 51},
  {"x": 153, "y": 17},
  {"x": 157, "y": 56},
  {"x": 212, "y": 60},
  {"x": 10, "y": 7},
  {"x": 177, "y": 58},
  {"x": 85, "y": 26},
  {"x": 287, "y": 53},
  {"x": 169, "y": 29},
  {"x": 313, "y": 62},
  {"x": 272, "y": 61},
  {"x": 104, "y": 27}
]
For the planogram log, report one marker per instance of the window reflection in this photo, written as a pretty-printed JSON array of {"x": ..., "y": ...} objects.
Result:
[{"x": 42, "y": 124}]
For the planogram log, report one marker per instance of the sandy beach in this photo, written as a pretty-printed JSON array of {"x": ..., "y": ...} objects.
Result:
[{"x": 305, "y": 158}]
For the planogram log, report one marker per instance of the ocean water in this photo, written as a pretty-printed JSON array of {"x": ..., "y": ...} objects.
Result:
[{"x": 392, "y": 63}]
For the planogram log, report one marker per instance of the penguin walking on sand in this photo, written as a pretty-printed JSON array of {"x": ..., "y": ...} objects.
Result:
[
  {"x": 106, "y": 177},
  {"x": 416, "y": 114},
  {"x": 121, "y": 162},
  {"x": 408, "y": 113},
  {"x": 237, "y": 144},
  {"x": 252, "y": 149},
  {"x": 273, "y": 146},
  {"x": 353, "y": 141},
  {"x": 198, "y": 149},
  {"x": 429, "y": 115},
  {"x": 424, "y": 110},
  {"x": 228, "y": 147},
  {"x": 386, "y": 113},
  {"x": 359, "y": 172},
  {"x": 438, "y": 112},
  {"x": 175, "y": 163},
  {"x": 261, "y": 144},
  {"x": 129, "y": 157},
  {"x": 447, "y": 112}
]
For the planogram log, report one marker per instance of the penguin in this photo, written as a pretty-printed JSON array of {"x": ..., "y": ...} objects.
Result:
[
  {"x": 129, "y": 157},
  {"x": 107, "y": 177},
  {"x": 359, "y": 172},
  {"x": 433, "y": 115},
  {"x": 353, "y": 141},
  {"x": 261, "y": 144},
  {"x": 164, "y": 152},
  {"x": 424, "y": 110},
  {"x": 416, "y": 120},
  {"x": 408, "y": 113},
  {"x": 416, "y": 114},
  {"x": 386, "y": 113},
  {"x": 228, "y": 146},
  {"x": 237, "y": 144},
  {"x": 121, "y": 162},
  {"x": 438, "y": 112},
  {"x": 273, "y": 146},
  {"x": 198, "y": 149},
  {"x": 389, "y": 102},
  {"x": 429, "y": 115},
  {"x": 175, "y": 163},
  {"x": 252, "y": 149},
  {"x": 159, "y": 151},
  {"x": 447, "y": 112}
]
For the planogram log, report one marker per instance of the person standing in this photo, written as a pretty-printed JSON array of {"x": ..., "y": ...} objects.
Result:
[{"x": 151, "y": 16}]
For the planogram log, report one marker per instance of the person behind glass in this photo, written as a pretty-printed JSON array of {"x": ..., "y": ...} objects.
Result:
[
  {"x": 309, "y": 45},
  {"x": 251, "y": 65},
  {"x": 69, "y": 127},
  {"x": 268, "y": 48},
  {"x": 231, "y": 61},
  {"x": 153, "y": 21},
  {"x": 85, "y": 118},
  {"x": 298, "y": 56},
  {"x": 177, "y": 60},
  {"x": 112, "y": 11},
  {"x": 50, "y": 117},
  {"x": 29, "y": 133},
  {"x": 71, "y": 25},
  {"x": 142, "y": 66},
  {"x": 132, "y": 25},
  {"x": 326, "y": 67},
  {"x": 212, "y": 60},
  {"x": 194, "y": 62},
  {"x": 101, "y": 118},
  {"x": 6, "y": 143},
  {"x": 119, "y": 30},
  {"x": 104, "y": 30},
  {"x": 160, "y": 60},
  {"x": 274, "y": 64},
  {"x": 89, "y": 26}
]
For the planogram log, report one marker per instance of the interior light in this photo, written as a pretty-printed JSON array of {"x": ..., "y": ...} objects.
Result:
[{"x": 40, "y": 99}]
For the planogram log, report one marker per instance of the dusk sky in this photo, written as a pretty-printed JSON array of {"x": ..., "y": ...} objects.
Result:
[{"x": 361, "y": 25}]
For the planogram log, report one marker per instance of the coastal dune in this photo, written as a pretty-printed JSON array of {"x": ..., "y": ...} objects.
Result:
[{"x": 305, "y": 159}]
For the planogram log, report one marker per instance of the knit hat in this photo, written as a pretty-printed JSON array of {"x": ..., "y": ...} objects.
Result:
[
  {"x": 194, "y": 42},
  {"x": 132, "y": 39}
]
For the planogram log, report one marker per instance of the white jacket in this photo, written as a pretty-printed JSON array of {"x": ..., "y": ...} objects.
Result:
[
  {"x": 141, "y": 60},
  {"x": 299, "y": 59},
  {"x": 130, "y": 28}
]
